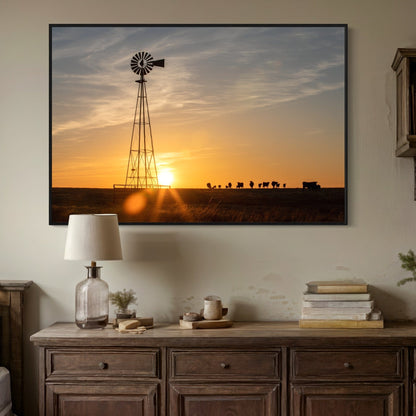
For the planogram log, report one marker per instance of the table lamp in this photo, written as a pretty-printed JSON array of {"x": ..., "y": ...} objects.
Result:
[{"x": 92, "y": 237}]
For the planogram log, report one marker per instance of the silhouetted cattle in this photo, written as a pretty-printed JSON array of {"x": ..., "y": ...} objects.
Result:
[
  {"x": 266, "y": 184},
  {"x": 251, "y": 184},
  {"x": 230, "y": 185},
  {"x": 275, "y": 184},
  {"x": 259, "y": 185},
  {"x": 284, "y": 185},
  {"x": 209, "y": 185},
  {"x": 240, "y": 185},
  {"x": 311, "y": 185}
]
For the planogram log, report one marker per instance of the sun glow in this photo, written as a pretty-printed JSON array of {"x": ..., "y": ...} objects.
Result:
[{"x": 165, "y": 178}]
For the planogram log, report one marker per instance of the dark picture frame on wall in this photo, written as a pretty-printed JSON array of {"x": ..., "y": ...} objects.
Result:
[{"x": 199, "y": 124}]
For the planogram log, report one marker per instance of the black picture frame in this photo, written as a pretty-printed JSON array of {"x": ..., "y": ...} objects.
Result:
[{"x": 230, "y": 81}]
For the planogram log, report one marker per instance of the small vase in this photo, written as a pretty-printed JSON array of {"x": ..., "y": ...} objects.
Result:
[{"x": 125, "y": 314}]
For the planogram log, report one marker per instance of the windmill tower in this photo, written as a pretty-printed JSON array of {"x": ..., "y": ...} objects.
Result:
[{"x": 141, "y": 168}]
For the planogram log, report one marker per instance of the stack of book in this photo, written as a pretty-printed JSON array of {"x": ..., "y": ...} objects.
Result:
[{"x": 339, "y": 304}]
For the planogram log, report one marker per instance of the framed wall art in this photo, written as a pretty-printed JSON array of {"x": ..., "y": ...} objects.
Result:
[{"x": 199, "y": 124}]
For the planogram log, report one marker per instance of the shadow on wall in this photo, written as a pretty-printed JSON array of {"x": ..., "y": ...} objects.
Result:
[
  {"x": 161, "y": 255},
  {"x": 241, "y": 309},
  {"x": 176, "y": 267},
  {"x": 393, "y": 307},
  {"x": 150, "y": 247}
]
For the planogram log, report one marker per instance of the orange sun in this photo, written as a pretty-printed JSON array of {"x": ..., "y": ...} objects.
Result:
[{"x": 165, "y": 178}]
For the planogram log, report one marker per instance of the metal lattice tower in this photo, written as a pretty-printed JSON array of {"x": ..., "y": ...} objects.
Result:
[{"x": 141, "y": 167}]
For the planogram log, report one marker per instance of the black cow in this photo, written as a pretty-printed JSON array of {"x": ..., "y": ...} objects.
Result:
[
  {"x": 266, "y": 184},
  {"x": 240, "y": 185},
  {"x": 311, "y": 185}
]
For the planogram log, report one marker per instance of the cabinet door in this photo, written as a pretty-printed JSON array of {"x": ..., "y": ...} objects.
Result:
[
  {"x": 362, "y": 399},
  {"x": 218, "y": 400},
  {"x": 101, "y": 400}
]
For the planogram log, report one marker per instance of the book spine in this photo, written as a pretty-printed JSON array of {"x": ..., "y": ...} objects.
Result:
[
  {"x": 339, "y": 311},
  {"x": 337, "y": 288},
  {"x": 306, "y": 323},
  {"x": 336, "y": 296},
  {"x": 339, "y": 304},
  {"x": 336, "y": 316}
]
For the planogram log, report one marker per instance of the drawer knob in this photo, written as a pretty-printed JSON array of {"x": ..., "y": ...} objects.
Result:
[
  {"x": 347, "y": 365},
  {"x": 102, "y": 365},
  {"x": 224, "y": 365}
]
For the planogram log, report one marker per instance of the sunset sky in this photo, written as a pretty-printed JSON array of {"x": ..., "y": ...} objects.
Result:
[{"x": 232, "y": 104}]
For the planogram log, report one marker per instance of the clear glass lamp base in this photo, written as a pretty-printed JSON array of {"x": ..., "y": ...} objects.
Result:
[
  {"x": 93, "y": 323},
  {"x": 91, "y": 301}
]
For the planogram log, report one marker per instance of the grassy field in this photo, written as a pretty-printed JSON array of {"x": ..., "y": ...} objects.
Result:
[{"x": 204, "y": 206}]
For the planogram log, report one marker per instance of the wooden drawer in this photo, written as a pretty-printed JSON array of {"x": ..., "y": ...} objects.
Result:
[
  {"x": 225, "y": 364},
  {"x": 102, "y": 363},
  {"x": 375, "y": 364}
]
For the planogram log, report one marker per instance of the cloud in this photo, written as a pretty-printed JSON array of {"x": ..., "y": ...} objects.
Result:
[
  {"x": 167, "y": 158},
  {"x": 209, "y": 71}
]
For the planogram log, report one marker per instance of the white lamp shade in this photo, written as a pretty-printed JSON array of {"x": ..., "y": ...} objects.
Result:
[{"x": 93, "y": 237}]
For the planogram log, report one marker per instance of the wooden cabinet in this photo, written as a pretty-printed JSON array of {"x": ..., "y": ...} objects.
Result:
[
  {"x": 12, "y": 294},
  {"x": 251, "y": 369},
  {"x": 404, "y": 64}
]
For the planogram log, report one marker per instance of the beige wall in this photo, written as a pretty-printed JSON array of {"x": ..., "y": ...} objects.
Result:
[{"x": 259, "y": 271}]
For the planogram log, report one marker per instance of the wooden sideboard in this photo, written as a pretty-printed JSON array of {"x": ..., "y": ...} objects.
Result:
[
  {"x": 265, "y": 369},
  {"x": 11, "y": 340}
]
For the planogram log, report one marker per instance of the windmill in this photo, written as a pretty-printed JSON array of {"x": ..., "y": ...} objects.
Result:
[{"x": 141, "y": 168}]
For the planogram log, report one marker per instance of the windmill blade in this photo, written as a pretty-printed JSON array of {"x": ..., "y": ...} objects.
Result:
[
  {"x": 159, "y": 62},
  {"x": 134, "y": 63},
  {"x": 142, "y": 63}
]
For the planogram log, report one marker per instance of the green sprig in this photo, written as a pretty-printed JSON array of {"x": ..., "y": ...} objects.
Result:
[
  {"x": 122, "y": 299},
  {"x": 409, "y": 264}
]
